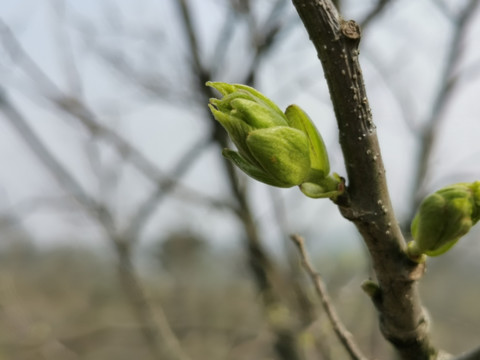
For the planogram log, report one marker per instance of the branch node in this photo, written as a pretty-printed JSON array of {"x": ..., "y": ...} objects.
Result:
[
  {"x": 351, "y": 30},
  {"x": 373, "y": 291}
]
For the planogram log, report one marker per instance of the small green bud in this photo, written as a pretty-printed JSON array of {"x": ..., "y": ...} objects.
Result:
[
  {"x": 443, "y": 218},
  {"x": 319, "y": 163},
  {"x": 372, "y": 289},
  {"x": 276, "y": 148}
]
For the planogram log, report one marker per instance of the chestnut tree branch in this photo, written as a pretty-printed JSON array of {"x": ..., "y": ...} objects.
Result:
[{"x": 367, "y": 202}]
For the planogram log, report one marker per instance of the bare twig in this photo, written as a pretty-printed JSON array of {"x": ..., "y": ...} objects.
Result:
[
  {"x": 377, "y": 10},
  {"x": 224, "y": 38},
  {"x": 342, "y": 333},
  {"x": 201, "y": 73},
  {"x": 164, "y": 182},
  {"x": 68, "y": 61},
  {"x": 146, "y": 209},
  {"x": 70, "y": 184}
]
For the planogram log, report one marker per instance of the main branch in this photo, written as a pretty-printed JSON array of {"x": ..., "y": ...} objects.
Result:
[{"x": 367, "y": 202}]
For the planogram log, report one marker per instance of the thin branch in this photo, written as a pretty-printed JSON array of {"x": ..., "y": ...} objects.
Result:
[
  {"x": 68, "y": 61},
  {"x": 70, "y": 184},
  {"x": 201, "y": 73},
  {"x": 342, "y": 333},
  {"x": 20, "y": 57},
  {"x": 373, "y": 14},
  {"x": 149, "y": 169},
  {"x": 263, "y": 38},
  {"x": 306, "y": 310},
  {"x": 146, "y": 209},
  {"x": 224, "y": 39}
]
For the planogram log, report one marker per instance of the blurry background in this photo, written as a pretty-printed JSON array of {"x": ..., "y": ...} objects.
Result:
[{"x": 123, "y": 232}]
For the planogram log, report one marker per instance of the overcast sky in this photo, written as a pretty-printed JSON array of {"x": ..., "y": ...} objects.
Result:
[{"x": 403, "y": 51}]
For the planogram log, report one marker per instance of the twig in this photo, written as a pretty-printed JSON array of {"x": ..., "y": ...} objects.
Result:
[
  {"x": 377, "y": 10},
  {"x": 147, "y": 208},
  {"x": 67, "y": 60},
  {"x": 342, "y": 333},
  {"x": 70, "y": 184},
  {"x": 224, "y": 38}
]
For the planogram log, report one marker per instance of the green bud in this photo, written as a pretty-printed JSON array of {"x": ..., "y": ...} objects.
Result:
[
  {"x": 298, "y": 119},
  {"x": 443, "y": 218},
  {"x": 328, "y": 187},
  {"x": 276, "y": 148}
]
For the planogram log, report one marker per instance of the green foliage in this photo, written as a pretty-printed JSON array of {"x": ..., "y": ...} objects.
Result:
[
  {"x": 276, "y": 148},
  {"x": 443, "y": 218}
]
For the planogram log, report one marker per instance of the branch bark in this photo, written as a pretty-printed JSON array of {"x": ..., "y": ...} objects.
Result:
[{"x": 366, "y": 202}]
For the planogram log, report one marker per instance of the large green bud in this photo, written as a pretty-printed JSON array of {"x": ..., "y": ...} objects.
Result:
[
  {"x": 443, "y": 218},
  {"x": 276, "y": 148}
]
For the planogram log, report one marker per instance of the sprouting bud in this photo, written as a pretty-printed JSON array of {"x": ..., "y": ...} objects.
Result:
[
  {"x": 443, "y": 218},
  {"x": 276, "y": 148}
]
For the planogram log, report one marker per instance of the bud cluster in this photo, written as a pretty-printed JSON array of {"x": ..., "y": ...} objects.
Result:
[
  {"x": 276, "y": 148},
  {"x": 443, "y": 218}
]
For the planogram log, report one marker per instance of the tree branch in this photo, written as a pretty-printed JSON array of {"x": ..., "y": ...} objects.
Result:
[
  {"x": 342, "y": 333},
  {"x": 366, "y": 202}
]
